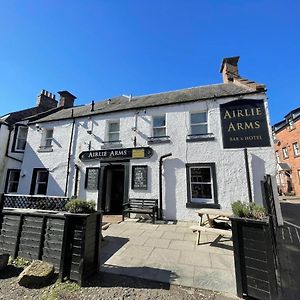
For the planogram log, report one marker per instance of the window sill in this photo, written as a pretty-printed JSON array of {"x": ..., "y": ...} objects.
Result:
[
  {"x": 202, "y": 205},
  {"x": 111, "y": 145},
  {"x": 200, "y": 137},
  {"x": 45, "y": 149},
  {"x": 295, "y": 156},
  {"x": 159, "y": 140}
]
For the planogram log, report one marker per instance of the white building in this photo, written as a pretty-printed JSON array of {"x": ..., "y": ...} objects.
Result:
[{"x": 110, "y": 150}]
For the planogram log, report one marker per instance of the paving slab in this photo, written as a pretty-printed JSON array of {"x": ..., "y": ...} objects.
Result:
[{"x": 168, "y": 253}]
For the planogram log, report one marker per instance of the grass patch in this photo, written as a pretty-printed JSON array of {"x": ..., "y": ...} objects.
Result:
[
  {"x": 58, "y": 289},
  {"x": 19, "y": 262}
]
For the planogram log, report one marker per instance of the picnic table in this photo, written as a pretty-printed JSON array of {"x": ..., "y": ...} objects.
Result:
[{"x": 207, "y": 224}]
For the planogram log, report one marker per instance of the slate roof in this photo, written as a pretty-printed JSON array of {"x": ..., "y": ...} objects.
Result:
[
  {"x": 122, "y": 103},
  {"x": 294, "y": 115}
]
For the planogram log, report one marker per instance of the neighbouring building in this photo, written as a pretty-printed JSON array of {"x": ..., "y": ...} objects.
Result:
[
  {"x": 286, "y": 135},
  {"x": 193, "y": 139},
  {"x": 13, "y": 136}
]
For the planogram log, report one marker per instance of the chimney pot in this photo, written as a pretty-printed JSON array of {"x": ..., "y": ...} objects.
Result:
[
  {"x": 45, "y": 100},
  {"x": 229, "y": 68}
]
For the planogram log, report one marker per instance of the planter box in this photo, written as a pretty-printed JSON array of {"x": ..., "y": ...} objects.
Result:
[
  {"x": 254, "y": 258},
  {"x": 71, "y": 242},
  {"x": 81, "y": 246}
]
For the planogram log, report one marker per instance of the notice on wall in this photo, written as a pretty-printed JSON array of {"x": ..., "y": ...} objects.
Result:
[
  {"x": 244, "y": 124},
  {"x": 92, "y": 178},
  {"x": 139, "y": 177}
]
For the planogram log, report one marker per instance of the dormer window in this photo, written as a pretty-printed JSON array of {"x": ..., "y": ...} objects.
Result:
[
  {"x": 21, "y": 138},
  {"x": 291, "y": 124}
]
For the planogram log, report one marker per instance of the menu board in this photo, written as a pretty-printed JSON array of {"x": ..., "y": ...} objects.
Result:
[
  {"x": 92, "y": 178},
  {"x": 139, "y": 177}
]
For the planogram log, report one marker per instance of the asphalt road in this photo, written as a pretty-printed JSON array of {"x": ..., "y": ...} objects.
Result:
[
  {"x": 288, "y": 238},
  {"x": 291, "y": 211}
]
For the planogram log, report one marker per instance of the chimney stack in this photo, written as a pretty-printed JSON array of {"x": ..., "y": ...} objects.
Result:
[
  {"x": 66, "y": 99},
  {"x": 229, "y": 68},
  {"x": 46, "y": 100}
]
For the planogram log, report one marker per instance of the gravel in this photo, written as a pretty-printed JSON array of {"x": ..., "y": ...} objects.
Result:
[{"x": 103, "y": 286}]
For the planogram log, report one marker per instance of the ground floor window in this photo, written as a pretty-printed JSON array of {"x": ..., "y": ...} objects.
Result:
[
  {"x": 202, "y": 185},
  {"x": 12, "y": 181},
  {"x": 39, "y": 182}
]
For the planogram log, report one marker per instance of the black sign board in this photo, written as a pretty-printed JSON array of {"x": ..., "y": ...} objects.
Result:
[
  {"x": 139, "y": 177},
  {"x": 92, "y": 178},
  {"x": 244, "y": 124},
  {"x": 122, "y": 153}
]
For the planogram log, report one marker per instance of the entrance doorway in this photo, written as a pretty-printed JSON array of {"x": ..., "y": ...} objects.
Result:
[{"x": 113, "y": 188}]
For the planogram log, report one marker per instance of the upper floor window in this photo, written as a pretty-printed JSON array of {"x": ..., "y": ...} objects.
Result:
[
  {"x": 47, "y": 139},
  {"x": 199, "y": 123},
  {"x": 285, "y": 152},
  {"x": 277, "y": 156},
  {"x": 291, "y": 124},
  {"x": 159, "y": 126},
  {"x": 296, "y": 149},
  {"x": 114, "y": 131},
  {"x": 21, "y": 138},
  {"x": 12, "y": 181}
]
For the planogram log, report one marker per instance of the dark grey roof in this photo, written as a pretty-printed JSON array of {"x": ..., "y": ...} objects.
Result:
[
  {"x": 174, "y": 97},
  {"x": 294, "y": 115}
]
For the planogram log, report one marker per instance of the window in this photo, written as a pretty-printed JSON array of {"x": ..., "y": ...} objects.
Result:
[
  {"x": 47, "y": 139},
  {"x": 298, "y": 171},
  {"x": 296, "y": 149},
  {"x": 291, "y": 124},
  {"x": 285, "y": 152},
  {"x": 39, "y": 182},
  {"x": 199, "y": 123},
  {"x": 159, "y": 126},
  {"x": 202, "y": 186},
  {"x": 12, "y": 181},
  {"x": 277, "y": 156},
  {"x": 114, "y": 131},
  {"x": 21, "y": 138}
]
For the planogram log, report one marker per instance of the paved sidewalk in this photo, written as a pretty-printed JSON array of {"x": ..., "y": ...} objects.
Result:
[{"x": 167, "y": 253}]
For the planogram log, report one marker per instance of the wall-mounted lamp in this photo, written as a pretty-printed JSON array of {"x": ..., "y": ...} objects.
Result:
[{"x": 38, "y": 127}]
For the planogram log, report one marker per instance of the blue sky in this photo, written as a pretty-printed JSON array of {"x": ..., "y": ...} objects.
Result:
[{"x": 98, "y": 49}]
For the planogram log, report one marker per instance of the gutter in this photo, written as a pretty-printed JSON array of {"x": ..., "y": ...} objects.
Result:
[{"x": 160, "y": 210}]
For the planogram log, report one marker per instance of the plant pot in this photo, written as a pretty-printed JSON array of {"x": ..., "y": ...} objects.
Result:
[{"x": 254, "y": 258}]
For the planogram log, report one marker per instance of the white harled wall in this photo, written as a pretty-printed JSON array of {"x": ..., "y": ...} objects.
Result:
[{"x": 230, "y": 165}]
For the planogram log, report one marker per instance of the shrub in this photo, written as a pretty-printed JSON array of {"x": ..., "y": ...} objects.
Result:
[
  {"x": 248, "y": 210},
  {"x": 80, "y": 206}
]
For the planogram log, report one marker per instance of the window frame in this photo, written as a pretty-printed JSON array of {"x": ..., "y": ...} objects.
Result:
[
  {"x": 296, "y": 148},
  {"x": 43, "y": 145},
  {"x": 285, "y": 154},
  {"x": 34, "y": 181},
  {"x": 16, "y": 138},
  {"x": 200, "y": 123},
  {"x": 159, "y": 127},
  {"x": 277, "y": 155},
  {"x": 7, "y": 181},
  {"x": 113, "y": 132},
  {"x": 291, "y": 123},
  {"x": 214, "y": 186}
]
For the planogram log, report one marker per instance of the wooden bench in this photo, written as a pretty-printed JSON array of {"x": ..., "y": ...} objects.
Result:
[
  {"x": 198, "y": 229},
  {"x": 141, "y": 206}
]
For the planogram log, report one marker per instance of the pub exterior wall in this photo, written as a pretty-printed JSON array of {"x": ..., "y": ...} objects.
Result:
[{"x": 230, "y": 165}]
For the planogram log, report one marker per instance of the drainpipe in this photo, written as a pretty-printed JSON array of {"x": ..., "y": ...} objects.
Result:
[
  {"x": 160, "y": 210},
  {"x": 69, "y": 154}
]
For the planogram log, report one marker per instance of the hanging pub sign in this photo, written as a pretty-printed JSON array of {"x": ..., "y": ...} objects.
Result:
[
  {"x": 244, "y": 124},
  {"x": 113, "y": 154},
  {"x": 139, "y": 177}
]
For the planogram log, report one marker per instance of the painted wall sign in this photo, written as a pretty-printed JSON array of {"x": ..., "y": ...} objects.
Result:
[
  {"x": 244, "y": 124},
  {"x": 139, "y": 177},
  {"x": 126, "y": 153}
]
